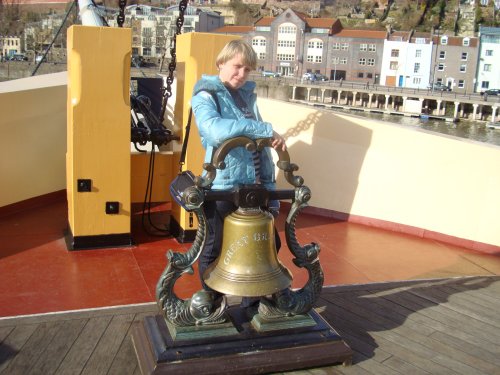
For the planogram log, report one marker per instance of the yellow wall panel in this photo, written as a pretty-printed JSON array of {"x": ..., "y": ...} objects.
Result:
[{"x": 98, "y": 144}]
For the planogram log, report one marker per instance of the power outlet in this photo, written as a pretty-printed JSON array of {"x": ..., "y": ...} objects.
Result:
[
  {"x": 84, "y": 185},
  {"x": 112, "y": 208}
]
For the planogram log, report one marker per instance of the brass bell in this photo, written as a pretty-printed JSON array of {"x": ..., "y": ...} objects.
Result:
[{"x": 248, "y": 264}]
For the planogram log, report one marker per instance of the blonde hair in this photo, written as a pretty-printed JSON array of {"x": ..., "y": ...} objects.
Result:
[{"x": 235, "y": 47}]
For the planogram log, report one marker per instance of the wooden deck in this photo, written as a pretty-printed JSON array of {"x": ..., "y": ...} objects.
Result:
[{"x": 446, "y": 326}]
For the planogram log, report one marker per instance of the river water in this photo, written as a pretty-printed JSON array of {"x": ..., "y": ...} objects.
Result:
[{"x": 473, "y": 130}]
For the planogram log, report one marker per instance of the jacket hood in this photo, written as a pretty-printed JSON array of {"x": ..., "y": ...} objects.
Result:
[{"x": 214, "y": 84}]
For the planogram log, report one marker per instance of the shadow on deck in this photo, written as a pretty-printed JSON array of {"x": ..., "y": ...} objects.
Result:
[{"x": 440, "y": 326}]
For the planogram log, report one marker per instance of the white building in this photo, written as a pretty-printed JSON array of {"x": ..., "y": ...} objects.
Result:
[
  {"x": 488, "y": 76},
  {"x": 418, "y": 61},
  {"x": 393, "y": 70},
  {"x": 407, "y": 60}
]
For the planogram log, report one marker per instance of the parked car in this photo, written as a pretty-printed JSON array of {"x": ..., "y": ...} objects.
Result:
[
  {"x": 18, "y": 57},
  {"x": 267, "y": 73},
  {"x": 438, "y": 86},
  {"x": 137, "y": 61},
  {"x": 493, "y": 92},
  {"x": 309, "y": 76},
  {"x": 321, "y": 77}
]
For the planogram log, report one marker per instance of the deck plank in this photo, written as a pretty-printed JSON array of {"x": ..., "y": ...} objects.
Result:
[
  {"x": 50, "y": 360},
  {"x": 111, "y": 340},
  {"x": 428, "y": 345},
  {"x": 82, "y": 349},
  {"x": 33, "y": 348},
  {"x": 4, "y": 332},
  {"x": 424, "y": 327},
  {"x": 396, "y": 346},
  {"x": 125, "y": 361},
  {"x": 13, "y": 344},
  {"x": 442, "y": 315},
  {"x": 454, "y": 337},
  {"x": 459, "y": 310}
]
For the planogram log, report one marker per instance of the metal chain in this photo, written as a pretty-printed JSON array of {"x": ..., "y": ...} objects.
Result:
[
  {"x": 120, "y": 19},
  {"x": 167, "y": 91}
]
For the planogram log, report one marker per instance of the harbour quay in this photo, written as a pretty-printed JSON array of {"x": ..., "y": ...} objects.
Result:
[{"x": 445, "y": 105}]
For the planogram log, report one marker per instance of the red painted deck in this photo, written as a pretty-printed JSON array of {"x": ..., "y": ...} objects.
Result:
[{"x": 39, "y": 275}]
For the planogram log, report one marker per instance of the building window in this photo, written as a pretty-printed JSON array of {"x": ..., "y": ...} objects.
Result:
[
  {"x": 466, "y": 42},
  {"x": 461, "y": 84},
  {"x": 442, "y": 54},
  {"x": 417, "y": 80},
  {"x": 369, "y": 75},
  {"x": 336, "y": 46},
  {"x": 394, "y": 53},
  {"x": 464, "y": 56},
  {"x": 285, "y": 57},
  {"x": 363, "y": 47},
  {"x": 286, "y": 43},
  {"x": 314, "y": 44},
  {"x": 463, "y": 68},
  {"x": 287, "y": 29},
  {"x": 335, "y": 61},
  {"x": 360, "y": 75},
  {"x": 444, "y": 40},
  {"x": 485, "y": 84},
  {"x": 489, "y": 52},
  {"x": 362, "y": 62},
  {"x": 416, "y": 68},
  {"x": 372, "y": 47},
  {"x": 394, "y": 65},
  {"x": 487, "y": 68},
  {"x": 344, "y": 46},
  {"x": 262, "y": 55},
  {"x": 418, "y": 53},
  {"x": 371, "y": 62},
  {"x": 441, "y": 67},
  {"x": 256, "y": 42},
  {"x": 343, "y": 61}
]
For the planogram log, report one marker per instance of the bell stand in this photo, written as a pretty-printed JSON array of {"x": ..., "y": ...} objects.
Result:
[{"x": 205, "y": 334}]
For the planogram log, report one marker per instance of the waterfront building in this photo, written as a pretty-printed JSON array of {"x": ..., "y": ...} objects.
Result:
[
  {"x": 489, "y": 52},
  {"x": 395, "y": 58},
  {"x": 356, "y": 55},
  {"x": 9, "y": 45},
  {"x": 153, "y": 28},
  {"x": 454, "y": 62},
  {"x": 293, "y": 44}
]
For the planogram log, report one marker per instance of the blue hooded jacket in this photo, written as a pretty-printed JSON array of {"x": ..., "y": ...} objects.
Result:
[{"x": 215, "y": 128}]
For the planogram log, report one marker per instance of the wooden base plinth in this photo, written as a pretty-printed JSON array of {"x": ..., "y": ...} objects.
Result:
[{"x": 247, "y": 351}]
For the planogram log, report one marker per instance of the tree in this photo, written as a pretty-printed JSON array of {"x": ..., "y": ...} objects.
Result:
[{"x": 10, "y": 17}]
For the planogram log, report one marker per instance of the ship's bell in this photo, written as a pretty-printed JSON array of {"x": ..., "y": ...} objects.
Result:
[{"x": 248, "y": 264}]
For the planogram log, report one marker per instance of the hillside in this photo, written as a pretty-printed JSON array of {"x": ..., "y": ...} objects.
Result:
[{"x": 450, "y": 16}]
